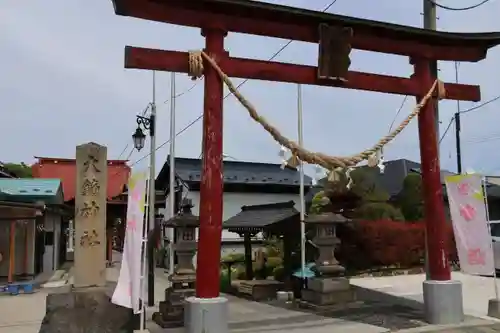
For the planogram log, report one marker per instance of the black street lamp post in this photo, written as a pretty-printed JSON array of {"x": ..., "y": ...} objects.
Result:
[{"x": 139, "y": 138}]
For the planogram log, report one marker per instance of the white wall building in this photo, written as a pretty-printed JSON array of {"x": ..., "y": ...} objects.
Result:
[{"x": 245, "y": 183}]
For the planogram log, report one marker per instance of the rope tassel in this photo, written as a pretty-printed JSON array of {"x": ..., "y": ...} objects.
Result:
[{"x": 328, "y": 162}]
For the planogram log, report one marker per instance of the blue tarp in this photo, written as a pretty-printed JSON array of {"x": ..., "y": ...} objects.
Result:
[{"x": 308, "y": 272}]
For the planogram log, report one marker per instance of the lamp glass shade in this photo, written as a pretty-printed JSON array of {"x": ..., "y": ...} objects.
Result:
[{"x": 139, "y": 139}]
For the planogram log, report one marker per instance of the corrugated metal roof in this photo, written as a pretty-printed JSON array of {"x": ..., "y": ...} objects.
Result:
[{"x": 31, "y": 189}]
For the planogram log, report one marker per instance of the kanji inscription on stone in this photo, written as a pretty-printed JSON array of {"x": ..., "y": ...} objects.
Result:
[
  {"x": 89, "y": 209},
  {"x": 90, "y": 187},
  {"x": 89, "y": 239},
  {"x": 90, "y": 215}
]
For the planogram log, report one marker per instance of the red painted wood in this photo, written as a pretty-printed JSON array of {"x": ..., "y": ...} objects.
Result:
[
  {"x": 211, "y": 188},
  {"x": 308, "y": 33},
  {"x": 174, "y": 61},
  {"x": 435, "y": 220}
]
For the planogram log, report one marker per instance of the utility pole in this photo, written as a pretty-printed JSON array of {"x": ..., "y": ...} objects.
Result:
[
  {"x": 457, "y": 139},
  {"x": 172, "y": 185},
  {"x": 457, "y": 128},
  {"x": 152, "y": 199},
  {"x": 430, "y": 23}
]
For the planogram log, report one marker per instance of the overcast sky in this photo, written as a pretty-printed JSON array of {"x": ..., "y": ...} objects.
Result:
[{"x": 62, "y": 83}]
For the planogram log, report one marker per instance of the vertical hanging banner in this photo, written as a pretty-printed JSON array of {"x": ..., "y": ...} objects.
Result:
[
  {"x": 470, "y": 223},
  {"x": 128, "y": 289}
]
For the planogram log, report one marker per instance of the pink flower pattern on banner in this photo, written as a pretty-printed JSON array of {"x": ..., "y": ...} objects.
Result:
[
  {"x": 132, "y": 223},
  {"x": 476, "y": 257},
  {"x": 468, "y": 212},
  {"x": 136, "y": 195},
  {"x": 463, "y": 188}
]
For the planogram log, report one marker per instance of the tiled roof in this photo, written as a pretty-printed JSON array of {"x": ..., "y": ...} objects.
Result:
[
  {"x": 65, "y": 170},
  {"x": 235, "y": 172},
  {"x": 261, "y": 216},
  {"x": 30, "y": 190}
]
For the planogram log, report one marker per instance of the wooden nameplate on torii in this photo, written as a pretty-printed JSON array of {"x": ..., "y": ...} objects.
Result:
[{"x": 334, "y": 50}]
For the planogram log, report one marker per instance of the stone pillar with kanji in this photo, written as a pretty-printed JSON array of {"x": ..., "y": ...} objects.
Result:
[{"x": 90, "y": 215}]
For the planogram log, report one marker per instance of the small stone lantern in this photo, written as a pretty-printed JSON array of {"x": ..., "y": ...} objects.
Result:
[
  {"x": 329, "y": 289},
  {"x": 326, "y": 240},
  {"x": 183, "y": 280}
]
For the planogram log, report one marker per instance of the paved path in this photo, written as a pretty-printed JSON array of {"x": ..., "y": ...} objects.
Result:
[
  {"x": 477, "y": 290},
  {"x": 24, "y": 313}
]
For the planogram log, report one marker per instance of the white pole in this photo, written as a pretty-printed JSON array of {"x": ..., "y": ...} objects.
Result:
[
  {"x": 71, "y": 235},
  {"x": 151, "y": 191},
  {"x": 172, "y": 212},
  {"x": 302, "y": 202},
  {"x": 485, "y": 195},
  {"x": 144, "y": 260}
]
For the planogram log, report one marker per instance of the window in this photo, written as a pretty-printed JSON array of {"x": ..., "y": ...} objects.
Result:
[
  {"x": 495, "y": 228},
  {"x": 49, "y": 238}
]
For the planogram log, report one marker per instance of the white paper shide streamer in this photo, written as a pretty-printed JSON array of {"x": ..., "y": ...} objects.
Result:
[{"x": 128, "y": 289}]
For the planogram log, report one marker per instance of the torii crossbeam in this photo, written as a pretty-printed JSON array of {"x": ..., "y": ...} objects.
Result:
[{"x": 218, "y": 17}]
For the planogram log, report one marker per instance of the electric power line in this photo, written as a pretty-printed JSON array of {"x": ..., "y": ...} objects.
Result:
[
  {"x": 229, "y": 94},
  {"x": 124, "y": 149},
  {"x": 458, "y": 9},
  {"x": 184, "y": 92},
  {"x": 481, "y": 105},
  {"x": 466, "y": 111},
  {"x": 398, "y": 112},
  {"x": 447, "y": 129},
  {"x": 482, "y": 140}
]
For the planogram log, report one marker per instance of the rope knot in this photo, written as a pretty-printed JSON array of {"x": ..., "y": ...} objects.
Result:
[{"x": 195, "y": 65}]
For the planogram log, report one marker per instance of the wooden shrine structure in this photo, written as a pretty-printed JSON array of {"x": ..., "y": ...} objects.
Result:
[{"x": 336, "y": 35}]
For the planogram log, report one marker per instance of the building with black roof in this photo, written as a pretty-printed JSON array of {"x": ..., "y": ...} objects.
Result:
[{"x": 245, "y": 184}]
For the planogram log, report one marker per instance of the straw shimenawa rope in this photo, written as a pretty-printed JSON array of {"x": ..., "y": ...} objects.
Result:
[{"x": 196, "y": 69}]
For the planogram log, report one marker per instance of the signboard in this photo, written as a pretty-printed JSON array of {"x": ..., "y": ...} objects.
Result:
[
  {"x": 128, "y": 289},
  {"x": 470, "y": 223}
]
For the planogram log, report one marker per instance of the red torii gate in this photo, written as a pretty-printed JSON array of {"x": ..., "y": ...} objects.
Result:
[{"x": 218, "y": 17}]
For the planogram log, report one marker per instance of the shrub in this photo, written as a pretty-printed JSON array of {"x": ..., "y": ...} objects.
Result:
[
  {"x": 233, "y": 256},
  {"x": 279, "y": 273},
  {"x": 372, "y": 244},
  {"x": 274, "y": 262}
]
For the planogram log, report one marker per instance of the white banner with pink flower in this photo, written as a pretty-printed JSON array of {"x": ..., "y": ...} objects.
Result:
[
  {"x": 128, "y": 289},
  {"x": 470, "y": 223}
]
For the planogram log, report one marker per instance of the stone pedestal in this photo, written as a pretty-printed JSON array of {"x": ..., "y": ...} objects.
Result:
[
  {"x": 206, "y": 315},
  {"x": 494, "y": 308},
  {"x": 327, "y": 292},
  {"x": 443, "y": 304},
  {"x": 171, "y": 312},
  {"x": 85, "y": 311}
]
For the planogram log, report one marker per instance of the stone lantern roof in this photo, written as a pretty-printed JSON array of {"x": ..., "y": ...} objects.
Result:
[
  {"x": 326, "y": 218},
  {"x": 185, "y": 218}
]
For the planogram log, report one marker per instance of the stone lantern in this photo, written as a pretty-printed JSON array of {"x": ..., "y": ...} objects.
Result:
[
  {"x": 330, "y": 288},
  {"x": 183, "y": 280},
  {"x": 326, "y": 241}
]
